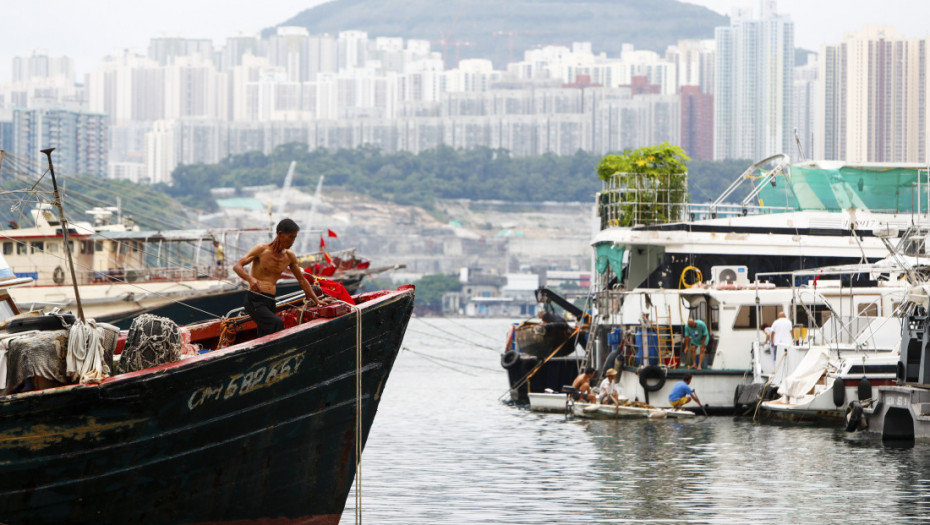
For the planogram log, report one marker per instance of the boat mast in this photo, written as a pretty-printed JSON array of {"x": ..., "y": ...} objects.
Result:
[{"x": 64, "y": 232}]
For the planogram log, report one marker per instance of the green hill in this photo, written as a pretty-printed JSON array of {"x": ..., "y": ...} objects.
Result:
[{"x": 485, "y": 27}]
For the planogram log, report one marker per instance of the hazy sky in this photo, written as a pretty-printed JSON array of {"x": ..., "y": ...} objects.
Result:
[{"x": 86, "y": 30}]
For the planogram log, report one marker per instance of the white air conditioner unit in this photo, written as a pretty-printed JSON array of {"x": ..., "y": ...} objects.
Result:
[{"x": 730, "y": 274}]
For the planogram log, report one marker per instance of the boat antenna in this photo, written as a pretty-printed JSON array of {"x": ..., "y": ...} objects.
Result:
[
  {"x": 797, "y": 140},
  {"x": 64, "y": 231}
]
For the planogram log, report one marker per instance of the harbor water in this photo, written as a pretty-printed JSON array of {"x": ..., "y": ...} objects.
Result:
[{"x": 444, "y": 448}]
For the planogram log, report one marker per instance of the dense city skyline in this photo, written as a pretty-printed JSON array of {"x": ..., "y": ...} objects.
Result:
[{"x": 88, "y": 31}]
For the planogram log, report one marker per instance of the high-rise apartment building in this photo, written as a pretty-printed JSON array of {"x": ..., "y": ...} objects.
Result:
[
  {"x": 697, "y": 123},
  {"x": 874, "y": 91},
  {"x": 79, "y": 139},
  {"x": 753, "y": 115}
]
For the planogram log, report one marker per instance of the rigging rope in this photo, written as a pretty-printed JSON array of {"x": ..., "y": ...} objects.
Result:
[{"x": 358, "y": 413}]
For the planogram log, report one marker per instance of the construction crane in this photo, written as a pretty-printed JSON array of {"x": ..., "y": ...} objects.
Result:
[
  {"x": 510, "y": 35},
  {"x": 444, "y": 38},
  {"x": 458, "y": 45}
]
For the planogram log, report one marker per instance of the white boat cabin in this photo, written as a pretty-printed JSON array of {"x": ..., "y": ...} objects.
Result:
[{"x": 105, "y": 251}]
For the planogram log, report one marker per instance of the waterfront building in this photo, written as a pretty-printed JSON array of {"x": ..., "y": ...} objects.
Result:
[{"x": 754, "y": 81}]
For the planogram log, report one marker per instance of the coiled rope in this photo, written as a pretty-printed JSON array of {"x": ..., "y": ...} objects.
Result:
[{"x": 84, "y": 361}]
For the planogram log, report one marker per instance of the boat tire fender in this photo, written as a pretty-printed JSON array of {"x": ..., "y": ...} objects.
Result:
[
  {"x": 864, "y": 389},
  {"x": 41, "y": 322},
  {"x": 853, "y": 416},
  {"x": 652, "y": 372},
  {"x": 509, "y": 359},
  {"x": 839, "y": 392},
  {"x": 58, "y": 275}
]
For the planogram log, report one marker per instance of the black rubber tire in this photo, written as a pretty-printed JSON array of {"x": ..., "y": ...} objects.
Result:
[
  {"x": 652, "y": 372},
  {"x": 509, "y": 359},
  {"x": 58, "y": 276},
  {"x": 853, "y": 415},
  {"x": 865, "y": 389},
  {"x": 839, "y": 392},
  {"x": 41, "y": 322}
]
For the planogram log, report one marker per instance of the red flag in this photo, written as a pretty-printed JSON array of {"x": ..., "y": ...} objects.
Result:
[
  {"x": 328, "y": 258},
  {"x": 331, "y": 288},
  {"x": 331, "y": 233},
  {"x": 322, "y": 243}
]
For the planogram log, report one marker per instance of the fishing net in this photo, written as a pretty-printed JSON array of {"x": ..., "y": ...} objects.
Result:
[{"x": 151, "y": 341}]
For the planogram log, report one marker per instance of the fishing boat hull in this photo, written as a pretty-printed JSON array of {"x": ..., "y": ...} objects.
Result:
[
  {"x": 525, "y": 378},
  {"x": 118, "y": 298},
  {"x": 262, "y": 431},
  {"x": 542, "y": 339},
  {"x": 196, "y": 308}
]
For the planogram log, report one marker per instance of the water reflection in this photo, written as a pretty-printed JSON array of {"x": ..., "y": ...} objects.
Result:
[{"x": 443, "y": 449}]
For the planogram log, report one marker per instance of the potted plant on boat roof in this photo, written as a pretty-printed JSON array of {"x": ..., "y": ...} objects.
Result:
[{"x": 648, "y": 185}]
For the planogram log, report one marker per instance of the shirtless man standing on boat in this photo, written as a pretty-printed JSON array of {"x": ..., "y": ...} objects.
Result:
[{"x": 268, "y": 261}]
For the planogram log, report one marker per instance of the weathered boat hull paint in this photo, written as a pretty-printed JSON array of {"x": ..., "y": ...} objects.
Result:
[{"x": 261, "y": 432}]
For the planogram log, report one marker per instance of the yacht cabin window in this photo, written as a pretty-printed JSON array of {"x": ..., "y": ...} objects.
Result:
[
  {"x": 820, "y": 312},
  {"x": 52, "y": 247},
  {"x": 20, "y": 248},
  {"x": 37, "y": 247},
  {"x": 747, "y": 317},
  {"x": 868, "y": 310},
  {"x": 98, "y": 246},
  {"x": 8, "y": 248}
]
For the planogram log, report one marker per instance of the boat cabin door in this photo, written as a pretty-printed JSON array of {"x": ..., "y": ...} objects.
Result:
[{"x": 704, "y": 308}]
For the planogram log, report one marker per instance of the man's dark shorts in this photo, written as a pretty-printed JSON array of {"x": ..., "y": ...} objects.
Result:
[{"x": 261, "y": 307}]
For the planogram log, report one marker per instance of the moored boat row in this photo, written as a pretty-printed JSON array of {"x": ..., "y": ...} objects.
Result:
[{"x": 839, "y": 274}]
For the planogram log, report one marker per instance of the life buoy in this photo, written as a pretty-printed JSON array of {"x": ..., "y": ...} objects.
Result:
[
  {"x": 58, "y": 275},
  {"x": 839, "y": 392},
  {"x": 509, "y": 359},
  {"x": 853, "y": 416},
  {"x": 652, "y": 372}
]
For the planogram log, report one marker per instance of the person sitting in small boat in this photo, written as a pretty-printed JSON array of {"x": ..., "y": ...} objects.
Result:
[
  {"x": 268, "y": 261},
  {"x": 609, "y": 391},
  {"x": 696, "y": 336},
  {"x": 682, "y": 392},
  {"x": 582, "y": 386}
]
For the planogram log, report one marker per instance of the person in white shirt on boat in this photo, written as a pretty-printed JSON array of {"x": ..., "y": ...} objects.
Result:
[
  {"x": 781, "y": 337},
  {"x": 609, "y": 390}
]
